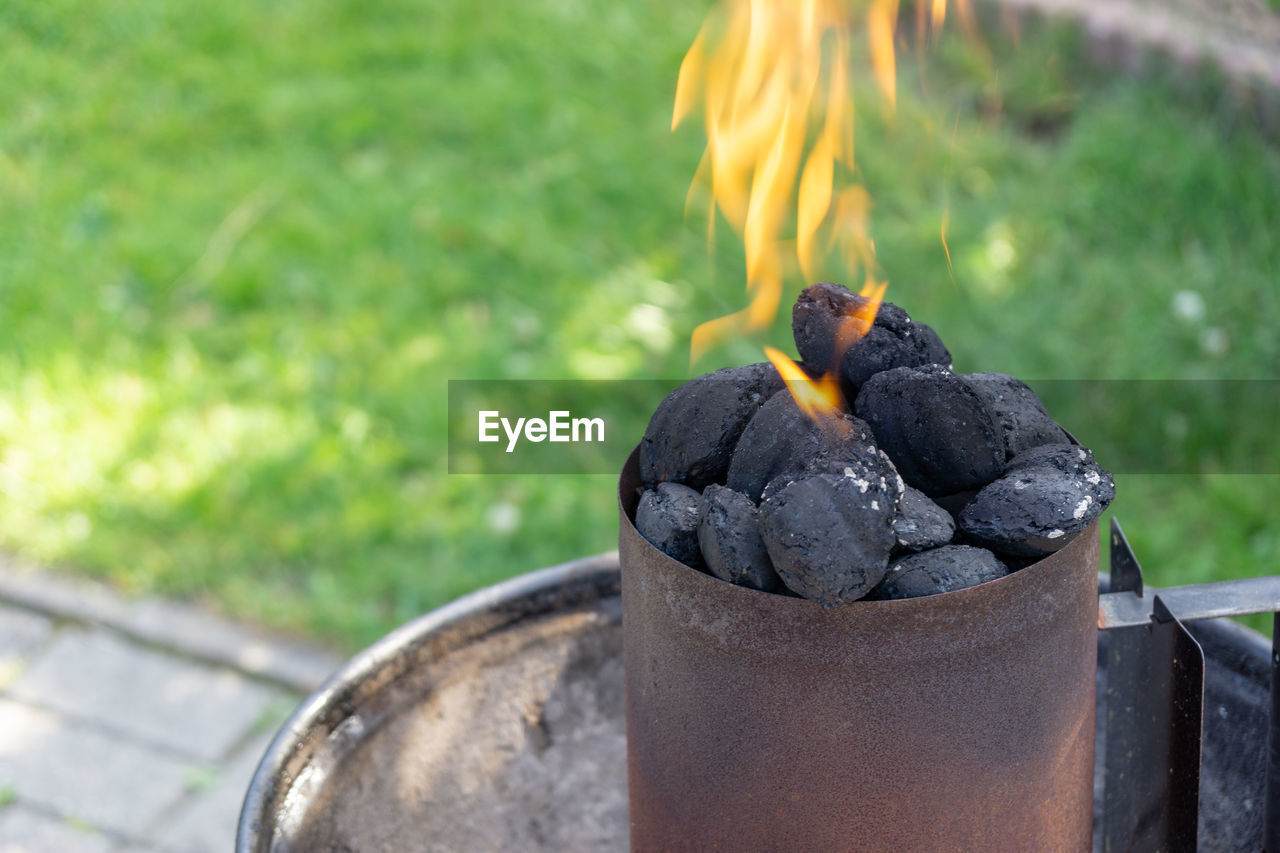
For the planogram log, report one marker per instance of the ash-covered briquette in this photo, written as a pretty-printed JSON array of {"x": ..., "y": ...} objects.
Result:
[
  {"x": 781, "y": 439},
  {"x": 668, "y": 517},
  {"x": 920, "y": 523},
  {"x": 894, "y": 339},
  {"x": 934, "y": 427},
  {"x": 691, "y": 436},
  {"x": 1024, "y": 422},
  {"x": 830, "y": 535},
  {"x": 1068, "y": 458},
  {"x": 861, "y": 460},
  {"x": 938, "y": 570},
  {"x": 729, "y": 535},
  {"x": 1047, "y": 496}
]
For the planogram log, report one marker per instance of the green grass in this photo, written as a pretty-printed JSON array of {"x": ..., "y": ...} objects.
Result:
[{"x": 242, "y": 250}]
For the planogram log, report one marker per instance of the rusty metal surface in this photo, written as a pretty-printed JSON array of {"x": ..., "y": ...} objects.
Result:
[
  {"x": 955, "y": 722},
  {"x": 550, "y": 797}
]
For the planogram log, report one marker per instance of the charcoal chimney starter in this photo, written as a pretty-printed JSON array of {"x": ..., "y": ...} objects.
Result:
[{"x": 762, "y": 721}]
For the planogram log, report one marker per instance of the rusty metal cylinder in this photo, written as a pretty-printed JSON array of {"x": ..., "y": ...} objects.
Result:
[{"x": 962, "y": 721}]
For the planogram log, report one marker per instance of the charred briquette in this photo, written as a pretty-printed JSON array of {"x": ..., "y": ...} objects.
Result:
[
  {"x": 816, "y": 320},
  {"x": 781, "y": 438},
  {"x": 691, "y": 436},
  {"x": 1047, "y": 496},
  {"x": 1024, "y": 422},
  {"x": 894, "y": 339},
  {"x": 938, "y": 570},
  {"x": 668, "y": 517},
  {"x": 934, "y": 427},
  {"x": 1070, "y": 459},
  {"x": 861, "y": 460},
  {"x": 729, "y": 535},
  {"x": 830, "y": 535},
  {"x": 921, "y": 523}
]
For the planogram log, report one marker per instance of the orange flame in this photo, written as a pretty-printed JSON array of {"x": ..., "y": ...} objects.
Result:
[
  {"x": 939, "y": 13},
  {"x": 778, "y": 70},
  {"x": 857, "y": 324},
  {"x": 775, "y": 78},
  {"x": 882, "y": 18},
  {"x": 820, "y": 398}
]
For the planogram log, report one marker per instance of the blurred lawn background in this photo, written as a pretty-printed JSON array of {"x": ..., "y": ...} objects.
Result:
[{"x": 244, "y": 246}]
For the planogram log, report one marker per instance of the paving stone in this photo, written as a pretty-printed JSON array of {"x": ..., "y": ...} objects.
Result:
[
  {"x": 65, "y": 767},
  {"x": 25, "y": 831},
  {"x": 197, "y": 633},
  {"x": 185, "y": 629},
  {"x": 207, "y": 822},
  {"x": 21, "y": 632},
  {"x": 195, "y": 709}
]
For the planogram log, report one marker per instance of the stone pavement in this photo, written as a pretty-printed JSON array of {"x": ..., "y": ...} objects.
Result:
[
  {"x": 1241, "y": 37},
  {"x": 132, "y": 725}
]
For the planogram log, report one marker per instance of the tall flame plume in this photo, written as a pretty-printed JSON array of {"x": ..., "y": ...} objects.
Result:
[{"x": 775, "y": 80}]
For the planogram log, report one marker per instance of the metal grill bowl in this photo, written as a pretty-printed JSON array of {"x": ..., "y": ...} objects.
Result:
[{"x": 496, "y": 723}]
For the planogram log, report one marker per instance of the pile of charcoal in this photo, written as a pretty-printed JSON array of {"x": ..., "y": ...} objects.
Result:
[{"x": 925, "y": 481}]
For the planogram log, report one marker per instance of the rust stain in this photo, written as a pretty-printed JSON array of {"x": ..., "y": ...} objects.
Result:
[{"x": 758, "y": 721}]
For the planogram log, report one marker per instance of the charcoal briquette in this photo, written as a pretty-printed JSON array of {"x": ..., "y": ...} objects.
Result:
[
  {"x": 820, "y": 324},
  {"x": 729, "y": 536},
  {"x": 863, "y": 461},
  {"x": 691, "y": 436},
  {"x": 781, "y": 438},
  {"x": 1046, "y": 497},
  {"x": 920, "y": 523},
  {"x": 1067, "y": 458},
  {"x": 938, "y": 570},
  {"x": 935, "y": 428},
  {"x": 668, "y": 517},
  {"x": 830, "y": 535},
  {"x": 1024, "y": 422}
]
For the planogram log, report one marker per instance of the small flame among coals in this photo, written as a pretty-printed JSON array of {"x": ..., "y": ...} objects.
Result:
[
  {"x": 820, "y": 398},
  {"x": 775, "y": 79},
  {"x": 856, "y": 325}
]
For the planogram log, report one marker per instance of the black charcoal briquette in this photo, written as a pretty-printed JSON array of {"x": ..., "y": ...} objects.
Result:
[
  {"x": 920, "y": 523},
  {"x": 934, "y": 427},
  {"x": 1046, "y": 497},
  {"x": 830, "y": 535},
  {"x": 729, "y": 536},
  {"x": 691, "y": 436},
  {"x": 1022, "y": 418},
  {"x": 862, "y": 460},
  {"x": 820, "y": 323},
  {"x": 668, "y": 517},
  {"x": 781, "y": 438},
  {"x": 939, "y": 570}
]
